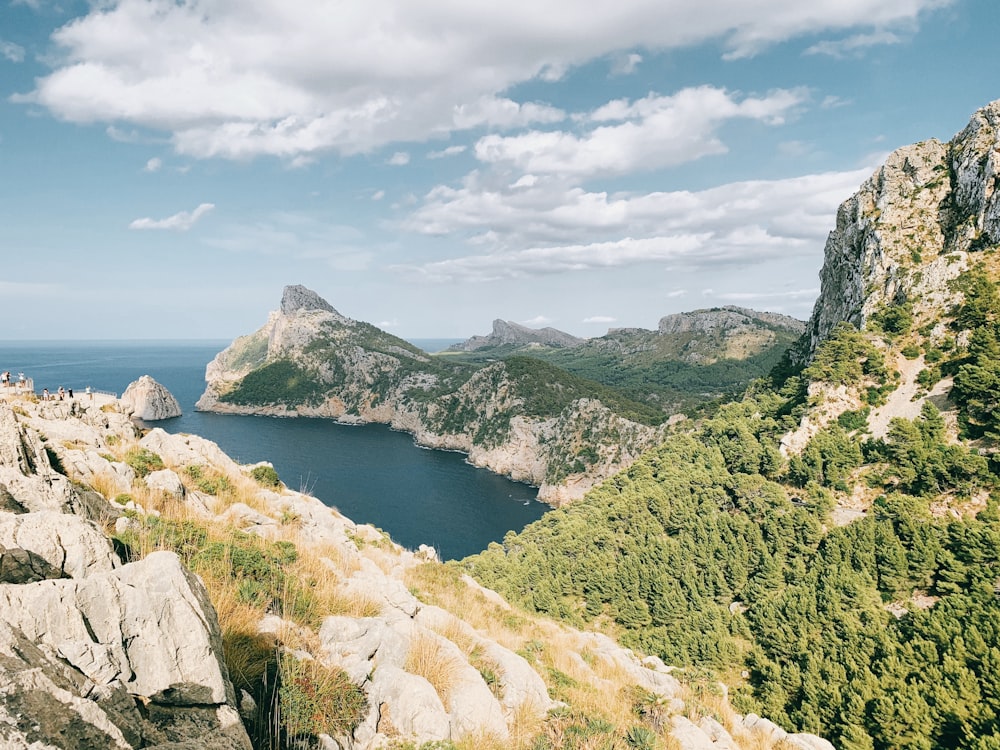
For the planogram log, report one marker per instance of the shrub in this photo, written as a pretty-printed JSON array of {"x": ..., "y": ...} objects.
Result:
[
  {"x": 893, "y": 319},
  {"x": 265, "y": 476},
  {"x": 846, "y": 358},
  {"x": 315, "y": 700},
  {"x": 143, "y": 461}
]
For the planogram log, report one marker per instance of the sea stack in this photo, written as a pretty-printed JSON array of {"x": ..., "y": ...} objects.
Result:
[{"x": 149, "y": 401}]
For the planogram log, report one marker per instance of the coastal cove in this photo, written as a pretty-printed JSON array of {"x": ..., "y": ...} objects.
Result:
[{"x": 370, "y": 473}]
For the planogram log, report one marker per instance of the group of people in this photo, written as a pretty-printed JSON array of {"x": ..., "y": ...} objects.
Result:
[
  {"x": 6, "y": 383},
  {"x": 59, "y": 395},
  {"x": 23, "y": 383}
]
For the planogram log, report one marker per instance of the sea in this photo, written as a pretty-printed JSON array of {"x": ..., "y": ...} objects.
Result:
[{"x": 370, "y": 473}]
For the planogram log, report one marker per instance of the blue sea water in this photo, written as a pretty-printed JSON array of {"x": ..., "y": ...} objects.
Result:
[{"x": 370, "y": 473}]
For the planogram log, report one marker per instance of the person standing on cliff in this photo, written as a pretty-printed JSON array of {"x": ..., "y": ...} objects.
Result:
[{"x": 90, "y": 393}]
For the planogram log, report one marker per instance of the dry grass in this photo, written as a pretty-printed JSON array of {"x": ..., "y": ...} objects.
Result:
[{"x": 428, "y": 659}]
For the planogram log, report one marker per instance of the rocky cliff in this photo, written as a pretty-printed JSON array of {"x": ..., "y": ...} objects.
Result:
[
  {"x": 908, "y": 231},
  {"x": 303, "y": 627},
  {"x": 510, "y": 334},
  {"x": 520, "y": 418}
]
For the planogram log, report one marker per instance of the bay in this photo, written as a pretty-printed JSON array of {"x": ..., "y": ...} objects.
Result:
[{"x": 370, "y": 473}]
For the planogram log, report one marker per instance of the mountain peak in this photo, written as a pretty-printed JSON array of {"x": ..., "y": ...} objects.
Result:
[{"x": 297, "y": 297}]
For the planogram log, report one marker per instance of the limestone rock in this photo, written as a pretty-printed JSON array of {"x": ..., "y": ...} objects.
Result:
[
  {"x": 73, "y": 547},
  {"x": 509, "y": 333},
  {"x": 166, "y": 480},
  {"x": 182, "y": 450},
  {"x": 150, "y": 401},
  {"x": 148, "y": 625},
  {"x": 908, "y": 230}
]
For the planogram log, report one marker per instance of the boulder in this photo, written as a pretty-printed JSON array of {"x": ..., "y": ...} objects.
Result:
[
  {"x": 166, "y": 481},
  {"x": 149, "y": 401},
  {"x": 148, "y": 625},
  {"x": 71, "y": 546}
]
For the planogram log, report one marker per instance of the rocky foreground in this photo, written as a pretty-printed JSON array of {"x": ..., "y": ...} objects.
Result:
[{"x": 108, "y": 640}]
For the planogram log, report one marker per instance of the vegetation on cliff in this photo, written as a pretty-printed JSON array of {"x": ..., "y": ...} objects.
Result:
[{"x": 714, "y": 550}]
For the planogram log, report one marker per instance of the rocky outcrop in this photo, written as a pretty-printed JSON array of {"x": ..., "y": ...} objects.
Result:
[
  {"x": 149, "y": 401},
  {"x": 730, "y": 318},
  {"x": 94, "y": 653},
  {"x": 908, "y": 231},
  {"x": 509, "y": 333}
]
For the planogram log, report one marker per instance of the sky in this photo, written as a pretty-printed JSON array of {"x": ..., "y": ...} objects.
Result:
[{"x": 168, "y": 166}]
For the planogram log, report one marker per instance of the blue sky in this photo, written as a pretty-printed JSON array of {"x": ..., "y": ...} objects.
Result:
[{"x": 167, "y": 167}]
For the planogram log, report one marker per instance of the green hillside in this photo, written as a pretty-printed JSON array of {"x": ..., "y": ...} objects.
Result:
[{"x": 714, "y": 551}]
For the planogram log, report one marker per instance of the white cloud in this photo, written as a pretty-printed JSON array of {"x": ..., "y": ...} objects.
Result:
[
  {"x": 673, "y": 294},
  {"x": 394, "y": 323},
  {"x": 450, "y": 151},
  {"x": 650, "y": 133},
  {"x": 378, "y": 195},
  {"x": 554, "y": 212},
  {"x": 853, "y": 45},
  {"x": 398, "y": 159},
  {"x": 154, "y": 164},
  {"x": 624, "y": 65},
  {"x": 600, "y": 319},
  {"x": 232, "y": 79},
  {"x": 553, "y": 227},
  {"x": 181, "y": 221},
  {"x": 538, "y": 320},
  {"x": 12, "y": 52}
]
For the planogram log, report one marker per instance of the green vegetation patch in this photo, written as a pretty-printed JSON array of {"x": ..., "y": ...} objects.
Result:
[
  {"x": 546, "y": 390},
  {"x": 317, "y": 700},
  {"x": 701, "y": 555},
  {"x": 281, "y": 382},
  {"x": 143, "y": 461}
]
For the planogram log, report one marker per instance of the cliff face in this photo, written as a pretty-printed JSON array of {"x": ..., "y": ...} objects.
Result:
[
  {"x": 908, "y": 230},
  {"x": 309, "y": 360}
]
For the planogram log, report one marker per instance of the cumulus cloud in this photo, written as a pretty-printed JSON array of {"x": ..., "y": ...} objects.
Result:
[
  {"x": 398, "y": 159},
  {"x": 538, "y": 320},
  {"x": 600, "y": 319},
  {"x": 12, "y": 52},
  {"x": 154, "y": 164},
  {"x": 378, "y": 195},
  {"x": 232, "y": 79},
  {"x": 180, "y": 222},
  {"x": 650, "y": 133}
]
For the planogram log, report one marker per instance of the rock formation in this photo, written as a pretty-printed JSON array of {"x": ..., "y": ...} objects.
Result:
[
  {"x": 94, "y": 653},
  {"x": 149, "y": 401},
  {"x": 907, "y": 232},
  {"x": 509, "y": 333}
]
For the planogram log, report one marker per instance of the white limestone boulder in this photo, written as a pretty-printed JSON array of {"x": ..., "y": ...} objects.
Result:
[
  {"x": 72, "y": 546},
  {"x": 149, "y": 401}
]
